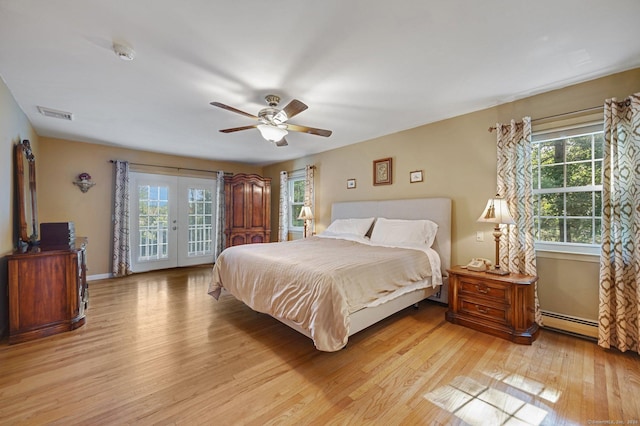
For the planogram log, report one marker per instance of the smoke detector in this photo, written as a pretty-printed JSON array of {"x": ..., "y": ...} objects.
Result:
[{"x": 126, "y": 53}]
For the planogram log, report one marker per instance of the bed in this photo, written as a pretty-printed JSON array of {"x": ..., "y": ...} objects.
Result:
[{"x": 302, "y": 292}]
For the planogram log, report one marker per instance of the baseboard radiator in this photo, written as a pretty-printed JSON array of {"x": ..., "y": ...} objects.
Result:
[{"x": 573, "y": 325}]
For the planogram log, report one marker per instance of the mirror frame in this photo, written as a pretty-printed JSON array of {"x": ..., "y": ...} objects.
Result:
[{"x": 23, "y": 153}]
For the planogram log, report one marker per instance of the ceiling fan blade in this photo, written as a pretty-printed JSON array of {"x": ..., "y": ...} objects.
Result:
[
  {"x": 282, "y": 142},
  {"x": 310, "y": 130},
  {"x": 232, "y": 109},
  {"x": 236, "y": 129},
  {"x": 294, "y": 108}
]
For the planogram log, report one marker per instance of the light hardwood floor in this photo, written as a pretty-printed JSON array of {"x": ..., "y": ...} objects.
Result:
[{"x": 156, "y": 349}]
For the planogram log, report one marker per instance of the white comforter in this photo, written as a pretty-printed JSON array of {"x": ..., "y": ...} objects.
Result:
[{"x": 317, "y": 282}]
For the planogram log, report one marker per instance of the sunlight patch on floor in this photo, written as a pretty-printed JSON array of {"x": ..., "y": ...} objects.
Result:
[
  {"x": 527, "y": 385},
  {"x": 478, "y": 404}
]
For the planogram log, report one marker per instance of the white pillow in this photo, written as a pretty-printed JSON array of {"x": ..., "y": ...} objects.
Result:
[
  {"x": 350, "y": 226},
  {"x": 394, "y": 231}
]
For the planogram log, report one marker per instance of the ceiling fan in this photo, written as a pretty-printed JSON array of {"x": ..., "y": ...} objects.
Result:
[{"x": 273, "y": 125}]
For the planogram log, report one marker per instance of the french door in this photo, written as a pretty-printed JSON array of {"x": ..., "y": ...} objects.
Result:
[{"x": 172, "y": 221}]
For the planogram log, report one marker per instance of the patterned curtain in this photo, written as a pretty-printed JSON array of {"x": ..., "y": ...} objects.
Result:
[
  {"x": 283, "y": 211},
  {"x": 515, "y": 185},
  {"x": 309, "y": 193},
  {"x": 220, "y": 211},
  {"x": 618, "y": 318},
  {"x": 121, "y": 248}
]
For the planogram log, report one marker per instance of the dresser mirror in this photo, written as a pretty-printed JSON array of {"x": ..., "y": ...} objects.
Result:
[{"x": 27, "y": 208}]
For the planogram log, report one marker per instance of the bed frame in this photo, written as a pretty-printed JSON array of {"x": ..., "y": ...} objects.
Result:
[{"x": 435, "y": 209}]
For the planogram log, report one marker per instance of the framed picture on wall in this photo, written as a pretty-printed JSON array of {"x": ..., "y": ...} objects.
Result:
[
  {"x": 382, "y": 171},
  {"x": 415, "y": 176},
  {"x": 351, "y": 183}
]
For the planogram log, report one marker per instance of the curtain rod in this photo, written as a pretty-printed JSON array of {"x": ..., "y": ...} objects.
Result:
[
  {"x": 175, "y": 168},
  {"x": 595, "y": 108},
  {"x": 300, "y": 170}
]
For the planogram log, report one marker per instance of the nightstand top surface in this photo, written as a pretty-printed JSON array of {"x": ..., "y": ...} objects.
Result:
[{"x": 511, "y": 278}]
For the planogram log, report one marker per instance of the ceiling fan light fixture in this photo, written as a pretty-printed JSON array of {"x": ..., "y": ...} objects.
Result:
[{"x": 272, "y": 133}]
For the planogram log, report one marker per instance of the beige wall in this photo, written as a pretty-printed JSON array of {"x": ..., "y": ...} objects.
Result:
[
  {"x": 458, "y": 157},
  {"x": 60, "y": 162},
  {"x": 14, "y": 127}
]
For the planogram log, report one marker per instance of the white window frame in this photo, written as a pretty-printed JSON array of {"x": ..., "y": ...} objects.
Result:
[
  {"x": 296, "y": 176},
  {"x": 559, "y": 133}
]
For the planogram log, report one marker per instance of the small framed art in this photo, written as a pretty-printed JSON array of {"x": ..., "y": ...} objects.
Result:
[
  {"x": 415, "y": 176},
  {"x": 351, "y": 183},
  {"x": 382, "y": 171}
]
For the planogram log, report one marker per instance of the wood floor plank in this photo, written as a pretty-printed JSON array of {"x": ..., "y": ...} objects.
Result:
[{"x": 156, "y": 349}]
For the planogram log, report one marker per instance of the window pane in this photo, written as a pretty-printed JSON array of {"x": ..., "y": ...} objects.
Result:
[
  {"x": 552, "y": 230},
  {"x": 551, "y": 205},
  {"x": 598, "y": 173},
  {"x": 580, "y": 204},
  {"x": 295, "y": 212},
  {"x": 552, "y": 152},
  {"x": 535, "y": 159},
  {"x": 552, "y": 176},
  {"x": 578, "y": 148},
  {"x": 598, "y": 225},
  {"x": 579, "y": 174},
  {"x": 298, "y": 191},
  {"x": 579, "y": 231},
  {"x": 598, "y": 145},
  {"x": 568, "y": 162}
]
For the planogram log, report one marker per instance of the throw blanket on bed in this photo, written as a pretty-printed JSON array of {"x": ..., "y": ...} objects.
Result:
[{"x": 317, "y": 282}]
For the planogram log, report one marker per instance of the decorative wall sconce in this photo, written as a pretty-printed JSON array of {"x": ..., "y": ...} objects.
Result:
[{"x": 84, "y": 182}]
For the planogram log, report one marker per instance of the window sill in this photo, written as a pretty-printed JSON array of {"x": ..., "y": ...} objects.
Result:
[{"x": 568, "y": 254}]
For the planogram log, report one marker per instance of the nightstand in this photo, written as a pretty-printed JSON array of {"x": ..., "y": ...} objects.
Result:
[{"x": 501, "y": 305}]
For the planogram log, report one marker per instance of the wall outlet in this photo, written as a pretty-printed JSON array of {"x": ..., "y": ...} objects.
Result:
[{"x": 479, "y": 236}]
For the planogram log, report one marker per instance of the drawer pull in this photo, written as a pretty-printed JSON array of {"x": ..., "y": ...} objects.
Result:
[
  {"x": 482, "y": 310},
  {"x": 483, "y": 290}
]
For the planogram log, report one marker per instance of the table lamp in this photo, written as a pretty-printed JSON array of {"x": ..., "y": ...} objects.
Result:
[
  {"x": 307, "y": 216},
  {"x": 497, "y": 212}
]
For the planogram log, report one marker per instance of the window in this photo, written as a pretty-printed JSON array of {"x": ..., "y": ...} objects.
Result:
[
  {"x": 567, "y": 189},
  {"x": 296, "y": 200}
]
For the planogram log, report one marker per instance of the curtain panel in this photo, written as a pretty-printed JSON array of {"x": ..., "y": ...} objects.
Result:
[
  {"x": 220, "y": 216},
  {"x": 619, "y": 307},
  {"x": 515, "y": 185},
  {"x": 283, "y": 208},
  {"x": 121, "y": 259},
  {"x": 309, "y": 194}
]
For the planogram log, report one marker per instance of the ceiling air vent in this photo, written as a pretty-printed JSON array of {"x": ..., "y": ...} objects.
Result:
[{"x": 54, "y": 113}]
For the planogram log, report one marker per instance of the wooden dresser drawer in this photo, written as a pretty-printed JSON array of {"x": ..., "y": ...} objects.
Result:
[
  {"x": 476, "y": 308},
  {"x": 490, "y": 289}
]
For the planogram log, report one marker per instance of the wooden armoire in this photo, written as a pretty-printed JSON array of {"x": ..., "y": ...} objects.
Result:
[{"x": 248, "y": 209}]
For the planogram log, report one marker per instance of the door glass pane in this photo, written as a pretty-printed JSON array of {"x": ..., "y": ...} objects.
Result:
[
  {"x": 153, "y": 220},
  {"x": 200, "y": 222}
]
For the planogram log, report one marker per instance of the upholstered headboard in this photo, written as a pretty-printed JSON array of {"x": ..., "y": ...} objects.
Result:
[{"x": 435, "y": 209}]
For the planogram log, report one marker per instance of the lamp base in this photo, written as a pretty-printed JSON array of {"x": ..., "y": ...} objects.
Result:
[{"x": 498, "y": 271}]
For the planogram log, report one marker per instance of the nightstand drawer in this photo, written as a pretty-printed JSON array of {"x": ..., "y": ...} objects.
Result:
[
  {"x": 476, "y": 308},
  {"x": 495, "y": 290}
]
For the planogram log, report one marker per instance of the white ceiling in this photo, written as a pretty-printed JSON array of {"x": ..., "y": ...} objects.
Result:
[{"x": 365, "y": 68}]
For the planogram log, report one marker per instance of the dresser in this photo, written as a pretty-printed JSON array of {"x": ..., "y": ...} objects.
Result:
[
  {"x": 247, "y": 209},
  {"x": 48, "y": 292},
  {"x": 500, "y": 305}
]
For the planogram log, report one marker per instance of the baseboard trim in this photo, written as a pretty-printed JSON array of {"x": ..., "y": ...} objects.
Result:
[
  {"x": 98, "y": 277},
  {"x": 573, "y": 325}
]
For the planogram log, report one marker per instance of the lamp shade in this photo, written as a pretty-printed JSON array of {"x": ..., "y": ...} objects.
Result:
[
  {"x": 305, "y": 213},
  {"x": 272, "y": 133},
  {"x": 496, "y": 211}
]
